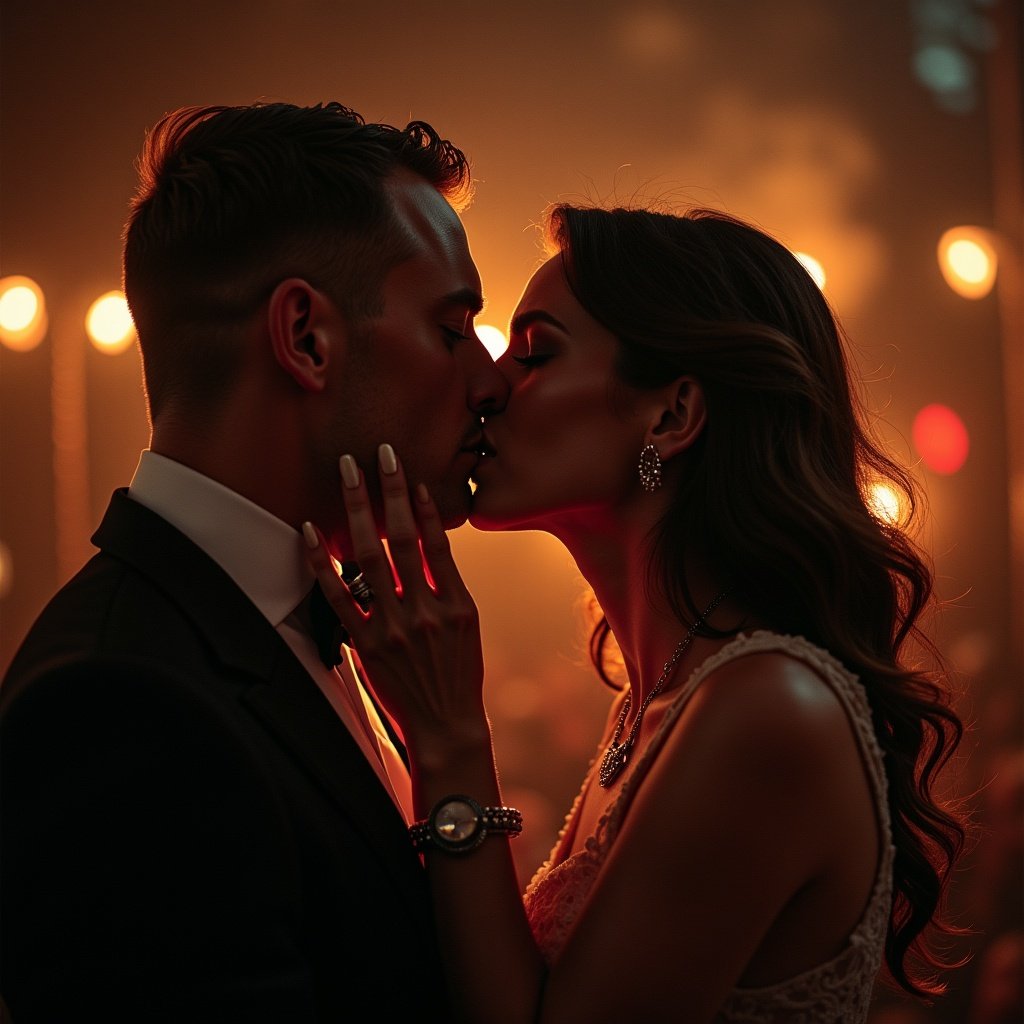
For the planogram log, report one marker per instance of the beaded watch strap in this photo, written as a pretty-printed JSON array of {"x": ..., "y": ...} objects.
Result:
[{"x": 441, "y": 833}]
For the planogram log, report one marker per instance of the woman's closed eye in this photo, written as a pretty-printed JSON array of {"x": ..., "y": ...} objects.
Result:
[{"x": 533, "y": 359}]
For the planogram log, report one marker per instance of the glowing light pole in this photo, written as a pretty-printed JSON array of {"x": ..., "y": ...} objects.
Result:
[{"x": 23, "y": 325}]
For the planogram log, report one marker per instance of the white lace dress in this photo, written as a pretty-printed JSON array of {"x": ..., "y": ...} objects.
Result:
[{"x": 837, "y": 991}]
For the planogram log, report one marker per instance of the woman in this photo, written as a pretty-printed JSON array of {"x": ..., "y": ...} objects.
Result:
[{"x": 758, "y": 828}]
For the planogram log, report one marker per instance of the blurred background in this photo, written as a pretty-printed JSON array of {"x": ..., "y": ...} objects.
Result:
[{"x": 880, "y": 138}]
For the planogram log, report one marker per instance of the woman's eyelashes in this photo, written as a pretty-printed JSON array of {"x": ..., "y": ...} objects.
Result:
[
  {"x": 531, "y": 351},
  {"x": 532, "y": 359}
]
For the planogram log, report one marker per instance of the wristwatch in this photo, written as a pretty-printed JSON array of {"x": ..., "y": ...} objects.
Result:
[{"x": 458, "y": 824}]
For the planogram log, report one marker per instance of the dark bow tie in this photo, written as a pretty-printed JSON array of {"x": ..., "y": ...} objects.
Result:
[{"x": 327, "y": 630}]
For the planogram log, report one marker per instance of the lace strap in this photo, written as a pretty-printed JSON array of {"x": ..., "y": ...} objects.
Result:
[{"x": 839, "y": 679}]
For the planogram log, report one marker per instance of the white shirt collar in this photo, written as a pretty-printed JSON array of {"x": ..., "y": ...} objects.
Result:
[{"x": 260, "y": 552}]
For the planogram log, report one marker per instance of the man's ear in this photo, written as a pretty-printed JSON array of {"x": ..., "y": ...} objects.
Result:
[
  {"x": 683, "y": 415},
  {"x": 306, "y": 332}
]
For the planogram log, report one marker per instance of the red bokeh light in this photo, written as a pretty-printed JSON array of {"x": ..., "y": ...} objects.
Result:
[{"x": 940, "y": 438}]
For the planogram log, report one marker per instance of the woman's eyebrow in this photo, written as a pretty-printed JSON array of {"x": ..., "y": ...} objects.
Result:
[{"x": 531, "y": 316}]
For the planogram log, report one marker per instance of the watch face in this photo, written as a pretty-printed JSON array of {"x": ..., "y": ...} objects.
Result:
[{"x": 456, "y": 821}]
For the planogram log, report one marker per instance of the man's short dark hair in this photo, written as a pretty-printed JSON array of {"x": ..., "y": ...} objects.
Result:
[{"x": 233, "y": 200}]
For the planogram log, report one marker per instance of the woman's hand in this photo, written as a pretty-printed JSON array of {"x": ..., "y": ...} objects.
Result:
[
  {"x": 419, "y": 645},
  {"x": 418, "y": 641}
]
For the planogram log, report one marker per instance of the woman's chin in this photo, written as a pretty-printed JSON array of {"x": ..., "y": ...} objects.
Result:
[
  {"x": 485, "y": 515},
  {"x": 480, "y": 518},
  {"x": 484, "y": 525}
]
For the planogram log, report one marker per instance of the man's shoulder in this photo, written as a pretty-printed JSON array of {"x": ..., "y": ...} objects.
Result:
[
  {"x": 108, "y": 613},
  {"x": 77, "y": 619},
  {"x": 109, "y": 650}
]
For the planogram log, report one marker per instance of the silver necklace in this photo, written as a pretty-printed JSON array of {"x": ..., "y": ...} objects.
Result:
[{"x": 617, "y": 754}]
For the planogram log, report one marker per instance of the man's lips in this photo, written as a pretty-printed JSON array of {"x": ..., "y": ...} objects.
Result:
[
  {"x": 482, "y": 451},
  {"x": 480, "y": 446}
]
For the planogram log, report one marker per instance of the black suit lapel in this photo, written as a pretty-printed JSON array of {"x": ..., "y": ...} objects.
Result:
[{"x": 280, "y": 692}]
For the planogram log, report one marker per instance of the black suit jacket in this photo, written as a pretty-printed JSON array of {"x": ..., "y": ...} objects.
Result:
[{"x": 189, "y": 832}]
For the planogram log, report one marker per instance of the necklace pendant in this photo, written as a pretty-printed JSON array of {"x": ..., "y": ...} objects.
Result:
[
  {"x": 617, "y": 754},
  {"x": 612, "y": 763}
]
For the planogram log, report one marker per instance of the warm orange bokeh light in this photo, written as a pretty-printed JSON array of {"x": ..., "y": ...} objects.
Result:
[
  {"x": 813, "y": 267},
  {"x": 940, "y": 438},
  {"x": 968, "y": 261},
  {"x": 23, "y": 320},
  {"x": 884, "y": 503},
  {"x": 109, "y": 324},
  {"x": 493, "y": 339}
]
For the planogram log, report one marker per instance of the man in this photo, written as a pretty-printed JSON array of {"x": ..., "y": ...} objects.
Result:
[{"x": 204, "y": 820}]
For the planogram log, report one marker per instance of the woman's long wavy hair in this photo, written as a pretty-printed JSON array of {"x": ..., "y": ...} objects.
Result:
[{"x": 773, "y": 498}]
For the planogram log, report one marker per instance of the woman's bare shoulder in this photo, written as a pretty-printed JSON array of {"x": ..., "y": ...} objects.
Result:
[{"x": 772, "y": 702}]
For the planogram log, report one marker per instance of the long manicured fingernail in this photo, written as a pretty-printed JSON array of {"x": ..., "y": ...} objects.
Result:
[
  {"x": 421, "y": 494},
  {"x": 312, "y": 540},
  {"x": 349, "y": 471},
  {"x": 388, "y": 462}
]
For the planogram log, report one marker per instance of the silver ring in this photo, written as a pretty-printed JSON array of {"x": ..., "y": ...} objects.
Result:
[{"x": 361, "y": 591}]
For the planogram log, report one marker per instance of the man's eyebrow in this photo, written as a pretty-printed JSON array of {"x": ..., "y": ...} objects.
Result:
[
  {"x": 532, "y": 316},
  {"x": 467, "y": 298}
]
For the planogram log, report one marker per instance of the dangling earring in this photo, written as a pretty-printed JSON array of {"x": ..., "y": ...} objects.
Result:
[{"x": 650, "y": 468}]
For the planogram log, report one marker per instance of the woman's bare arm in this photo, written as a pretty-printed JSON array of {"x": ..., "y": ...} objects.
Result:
[{"x": 731, "y": 823}]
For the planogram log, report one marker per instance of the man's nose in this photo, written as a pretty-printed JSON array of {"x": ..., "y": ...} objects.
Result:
[{"x": 487, "y": 387}]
